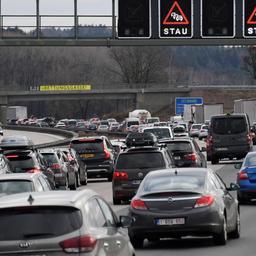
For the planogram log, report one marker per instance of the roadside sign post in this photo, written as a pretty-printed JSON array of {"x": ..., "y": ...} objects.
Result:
[
  {"x": 180, "y": 102},
  {"x": 249, "y": 18}
]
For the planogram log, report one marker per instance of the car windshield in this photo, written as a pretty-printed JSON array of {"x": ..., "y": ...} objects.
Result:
[
  {"x": 50, "y": 158},
  {"x": 140, "y": 160},
  {"x": 15, "y": 186},
  {"x": 38, "y": 222},
  {"x": 166, "y": 183},
  {"x": 229, "y": 125},
  {"x": 180, "y": 146},
  {"x": 160, "y": 132}
]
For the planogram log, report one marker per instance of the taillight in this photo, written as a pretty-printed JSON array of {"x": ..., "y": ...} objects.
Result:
[
  {"x": 107, "y": 154},
  {"x": 55, "y": 166},
  {"x": 12, "y": 156},
  {"x": 79, "y": 244},
  {"x": 204, "y": 201},
  {"x": 34, "y": 170},
  {"x": 138, "y": 204},
  {"x": 191, "y": 157},
  {"x": 242, "y": 175},
  {"x": 120, "y": 175}
]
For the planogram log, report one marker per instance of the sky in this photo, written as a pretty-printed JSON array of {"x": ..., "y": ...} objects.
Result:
[{"x": 55, "y": 7}]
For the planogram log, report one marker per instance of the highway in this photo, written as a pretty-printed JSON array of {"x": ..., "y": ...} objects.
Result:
[{"x": 245, "y": 246}]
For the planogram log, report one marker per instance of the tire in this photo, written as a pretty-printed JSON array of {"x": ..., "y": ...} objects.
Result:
[
  {"x": 85, "y": 181},
  {"x": 73, "y": 186},
  {"x": 137, "y": 242},
  {"x": 222, "y": 237},
  {"x": 116, "y": 201},
  {"x": 110, "y": 177},
  {"x": 214, "y": 160},
  {"x": 236, "y": 233},
  {"x": 241, "y": 199}
]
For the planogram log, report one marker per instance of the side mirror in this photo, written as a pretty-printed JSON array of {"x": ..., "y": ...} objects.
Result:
[
  {"x": 125, "y": 221},
  {"x": 203, "y": 149},
  {"x": 233, "y": 187},
  {"x": 238, "y": 166}
]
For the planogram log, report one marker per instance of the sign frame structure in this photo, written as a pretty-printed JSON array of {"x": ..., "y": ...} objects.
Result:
[
  {"x": 244, "y": 22},
  {"x": 199, "y": 99},
  {"x": 176, "y": 37},
  {"x": 150, "y": 25},
  {"x": 217, "y": 37}
]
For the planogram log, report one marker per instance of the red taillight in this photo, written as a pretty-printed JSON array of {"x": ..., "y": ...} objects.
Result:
[
  {"x": 138, "y": 204},
  {"x": 242, "y": 175},
  {"x": 120, "y": 175},
  {"x": 12, "y": 156},
  {"x": 79, "y": 244},
  {"x": 191, "y": 157},
  {"x": 34, "y": 170},
  {"x": 55, "y": 166},
  {"x": 204, "y": 201}
]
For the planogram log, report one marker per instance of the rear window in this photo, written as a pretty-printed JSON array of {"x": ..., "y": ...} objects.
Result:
[
  {"x": 180, "y": 147},
  {"x": 179, "y": 129},
  {"x": 132, "y": 123},
  {"x": 174, "y": 183},
  {"x": 87, "y": 146},
  {"x": 140, "y": 160},
  {"x": 160, "y": 133},
  {"x": 21, "y": 163},
  {"x": 38, "y": 222},
  {"x": 50, "y": 158},
  {"x": 230, "y": 125},
  {"x": 196, "y": 126},
  {"x": 15, "y": 186}
]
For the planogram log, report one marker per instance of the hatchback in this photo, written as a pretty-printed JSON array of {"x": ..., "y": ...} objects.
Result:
[
  {"x": 194, "y": 130},
  {"x": 175, "y": 203},
  {"x": 62, "y": 223}
]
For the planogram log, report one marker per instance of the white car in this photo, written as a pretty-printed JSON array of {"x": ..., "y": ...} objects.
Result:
[
  {"x": 179, "y": 131},
  {"x": 203, "y": 133},
  {"x": 161, "y": 132},
  {"x": 194, "y": 130},
  {"x": 103, "y": 128}
]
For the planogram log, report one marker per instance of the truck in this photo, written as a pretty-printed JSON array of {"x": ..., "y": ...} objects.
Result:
[
  {"x": 16, "y": 112},
  {"x": 203, "y": 113},
  {"x": 141, "y": 114},
  {"x": 247, "y": 106}
]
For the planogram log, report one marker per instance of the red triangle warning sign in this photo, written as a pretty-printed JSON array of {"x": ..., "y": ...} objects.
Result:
[
  {"x": 252, "y": 18},
  {"x": 175, "y": 16}
]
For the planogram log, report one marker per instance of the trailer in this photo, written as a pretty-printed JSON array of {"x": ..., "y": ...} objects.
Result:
[
  {"x": 16, "y": 112},
  {"x": 247, "y": 106}
]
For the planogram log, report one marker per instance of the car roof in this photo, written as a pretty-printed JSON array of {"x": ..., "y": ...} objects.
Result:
[
  {"x": 19, "y": 176},
  {"x": 88, "y": 138},
  {"x": 51, "y": 198},
  {"x": 47, "y": 150},
  {"x": 142, "y": 149},
  {"x": 156, "y": 127}
]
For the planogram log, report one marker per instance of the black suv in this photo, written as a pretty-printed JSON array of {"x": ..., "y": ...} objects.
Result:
[
  {"x": 98, "y": 154},
  {"x": 133, "y": 164}
]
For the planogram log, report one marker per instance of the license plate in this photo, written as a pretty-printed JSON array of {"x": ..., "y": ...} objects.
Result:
[
  {"x": 136, "y": 182},
  {"x": 221, "y": 149},
  {"x": 169, "y": 222},
  {"x": 87, "y": 155},
  {"x": 177, "y": 158}
]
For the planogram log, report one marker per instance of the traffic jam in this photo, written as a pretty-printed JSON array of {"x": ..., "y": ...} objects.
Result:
[{"x": 160, "y": 172}]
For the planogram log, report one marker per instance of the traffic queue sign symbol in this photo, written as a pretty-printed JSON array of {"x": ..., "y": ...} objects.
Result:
[
  {"x": 175, "y": 18},
  {"x": 249, "y": 19}
]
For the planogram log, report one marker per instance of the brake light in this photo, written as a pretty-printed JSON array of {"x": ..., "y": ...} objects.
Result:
[
  {"x": 12, "y": 156},
  {"x": 204, "y": 201},
  {"x": 242, "y": 175},
  {"x": 138, "y": 204},
  {"x": 34, "y": 170},
  {"x": 191, "y": 157},
  {"x": 120, "y": 175},
  {"x": 55, "y": 166},
  {"x": 79, "y": 244}
]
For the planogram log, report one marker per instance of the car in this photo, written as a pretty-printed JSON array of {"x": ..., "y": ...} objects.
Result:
[
  {"x": 194, "y": 130},
  {"x": 63, "y": 175},
  {"x": 114, "y": 127},
  {"x": 133, "y": 164},
  {"x": 16, "y": 142},
  {"x": 78, "y": 165},
  {"x": 161, "y": 132},
  {"x": 160, "y": 124},
  {"x": 186, "y": 152},
  {"x": 103, "y": 128},
  {"x": 23, "y": 182},
  {"x": 246, "y": 178},
  {"x": 203, "y": 133},
  {"x": 60, "y": 223},
  {"x": 97, "y": 153},
  {"x": 29, "y": 161},
  {"x": 229, "y": 137},
  {"x": 174, "y": 203},
  {"x": 179, "y": 131},
  {"x": 118, "y": 145}
]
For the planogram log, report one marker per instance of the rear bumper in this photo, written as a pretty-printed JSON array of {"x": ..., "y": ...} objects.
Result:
[
  {"x": 99, "y": 171},
  {"x": 247, "y": 189},
  {"x": 229, "y": 151},
  {"x": 123, "y": 193}
]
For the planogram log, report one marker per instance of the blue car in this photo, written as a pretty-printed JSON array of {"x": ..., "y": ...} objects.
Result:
[{"x": 246, "y": 178}]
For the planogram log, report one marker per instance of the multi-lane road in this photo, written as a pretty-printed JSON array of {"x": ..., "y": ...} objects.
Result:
[{"x": 245, "y": 246}]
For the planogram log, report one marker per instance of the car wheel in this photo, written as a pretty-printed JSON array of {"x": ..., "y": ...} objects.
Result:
[
  {"x": 236, "y": 233},
  {"x": 137, "y": 242},
  {"x": 241, "y": 199},
  {"x": 221, "y": 238},
  {"x": 116, "y": 201},
  {"x": 110, "y": 177},
  {"x": 85, "y": 181}
]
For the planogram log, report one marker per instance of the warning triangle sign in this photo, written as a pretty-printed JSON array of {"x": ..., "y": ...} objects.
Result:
[
  {"x": 175, "y": 16},
  {"x": 252, "y": 18}
]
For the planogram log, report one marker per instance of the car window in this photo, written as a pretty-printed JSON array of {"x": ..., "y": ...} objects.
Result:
[
  {"x": 160, "y": 133},
  {"x": 15, "y": 186},
  {"x": 220, "y": 181},
  {"x": 95, "y": 214},
  {"x": 229, "y": 125},
  {"x": 196, "y": 146},
  {"x": 21, "y": 163},
  {"x": 107, "y": 212},
  {"x": 45, "y": 185},
  {"x": 140, "y": 160},
  {"x": 180, "y": 146},
  {"x": 50, "y": 158}
]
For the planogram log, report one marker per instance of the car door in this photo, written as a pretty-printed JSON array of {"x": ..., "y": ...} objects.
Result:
[{"x": 200, "y": 155}]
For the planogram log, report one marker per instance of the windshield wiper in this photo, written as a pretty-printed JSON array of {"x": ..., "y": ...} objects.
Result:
[{"x": 32, "y": 235}]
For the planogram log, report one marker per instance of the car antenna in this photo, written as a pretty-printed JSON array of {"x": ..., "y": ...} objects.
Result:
[{"x": 30, "y": 199}]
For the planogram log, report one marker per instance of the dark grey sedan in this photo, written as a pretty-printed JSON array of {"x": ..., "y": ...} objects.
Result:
[{"x": 174, "y": 203}]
